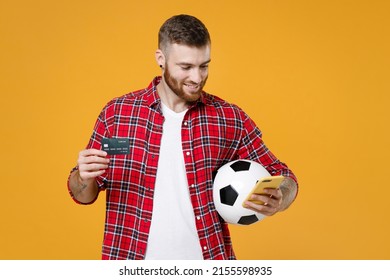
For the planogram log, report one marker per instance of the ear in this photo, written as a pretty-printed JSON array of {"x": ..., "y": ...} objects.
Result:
[{"x": 160, "y": 58}]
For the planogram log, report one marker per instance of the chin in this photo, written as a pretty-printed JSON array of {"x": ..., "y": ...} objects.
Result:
[{"x": 192, "y": 97}]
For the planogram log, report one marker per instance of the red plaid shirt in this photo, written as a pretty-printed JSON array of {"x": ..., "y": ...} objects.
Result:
[{"x": 213, "y": 133}]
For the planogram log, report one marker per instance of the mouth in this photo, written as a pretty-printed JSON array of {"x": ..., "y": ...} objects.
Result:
[{"x": 193, "y": 87}]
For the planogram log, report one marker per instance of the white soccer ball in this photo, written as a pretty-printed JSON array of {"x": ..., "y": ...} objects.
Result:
[{"x": 232, "y": 184}]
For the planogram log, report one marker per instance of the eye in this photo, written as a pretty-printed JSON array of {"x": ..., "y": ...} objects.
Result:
[{"x": 186, "y": 68}]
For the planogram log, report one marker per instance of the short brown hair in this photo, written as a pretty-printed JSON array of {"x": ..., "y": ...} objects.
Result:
[{"x": 183, "y": 29}]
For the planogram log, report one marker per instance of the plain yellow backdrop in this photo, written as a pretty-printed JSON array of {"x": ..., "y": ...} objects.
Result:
[{"x": 314, "y": 75}]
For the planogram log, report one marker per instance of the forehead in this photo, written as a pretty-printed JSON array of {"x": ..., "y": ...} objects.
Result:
[{"x": 177, "y": 53}]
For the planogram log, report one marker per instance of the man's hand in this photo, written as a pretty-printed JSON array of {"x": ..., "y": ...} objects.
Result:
[
  {"x": 92, "y": 163},
  {"x": 275, "y": 200},
  {"x": 271, "y": 199}
]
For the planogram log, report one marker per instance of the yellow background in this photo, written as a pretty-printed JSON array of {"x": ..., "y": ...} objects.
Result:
[{"x": 314, "y": 75}]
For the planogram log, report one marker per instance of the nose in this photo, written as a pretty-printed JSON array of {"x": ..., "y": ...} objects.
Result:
[{"x": 196, "y": 75}]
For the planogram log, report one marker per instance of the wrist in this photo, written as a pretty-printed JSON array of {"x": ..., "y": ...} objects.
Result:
[
  {"x": 289, "y": 192},
  {"x": 80, "y": 180}
]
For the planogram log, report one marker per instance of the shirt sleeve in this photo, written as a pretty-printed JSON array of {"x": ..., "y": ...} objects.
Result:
[{"x": 253, "y": 148}]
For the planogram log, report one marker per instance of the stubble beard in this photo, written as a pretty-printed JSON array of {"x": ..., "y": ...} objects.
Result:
[{"x": 178, "y": 87}]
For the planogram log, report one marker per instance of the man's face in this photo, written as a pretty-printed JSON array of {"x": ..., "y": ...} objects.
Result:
[{"x": 186, "y": 70}]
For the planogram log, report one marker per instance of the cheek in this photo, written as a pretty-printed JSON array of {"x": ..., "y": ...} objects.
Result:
[
  {"x": 177, "y": 74},
  {"x": 181, "y": 75},
  {"x": 205, "y": 76},
  {"x": 204, "y": 72}
]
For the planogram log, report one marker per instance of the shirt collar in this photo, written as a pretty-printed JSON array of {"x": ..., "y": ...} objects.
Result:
[{"x": 153, "y": 99}]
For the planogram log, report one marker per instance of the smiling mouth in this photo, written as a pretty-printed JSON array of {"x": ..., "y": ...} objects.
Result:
[{"x": 192, "y": 86}]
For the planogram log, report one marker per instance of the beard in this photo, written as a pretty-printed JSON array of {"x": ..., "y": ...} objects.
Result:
[{"x": 181, "y": 89}]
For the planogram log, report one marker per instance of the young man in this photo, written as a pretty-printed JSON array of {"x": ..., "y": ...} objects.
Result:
[{"x": 159, "y": 195}]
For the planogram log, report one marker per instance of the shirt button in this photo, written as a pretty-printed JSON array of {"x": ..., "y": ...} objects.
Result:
[
  {"x": 193, "y": 186},
  {"x": 185, "y": 123},
  {"x": 204, "y": 248},
  {"x": 198, "y": 218},
  {"x": 187, "y": 153}
]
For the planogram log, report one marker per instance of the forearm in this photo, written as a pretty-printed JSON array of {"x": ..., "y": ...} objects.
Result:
[
  {"x": 84, "y": 191},
  {"x": 289, "y": 190}
]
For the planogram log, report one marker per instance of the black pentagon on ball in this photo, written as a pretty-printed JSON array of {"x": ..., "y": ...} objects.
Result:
[
  {"x": 240, "y": 165},
  {"x": 247, "y": 220},
  {"x": 228, "y": 195}
]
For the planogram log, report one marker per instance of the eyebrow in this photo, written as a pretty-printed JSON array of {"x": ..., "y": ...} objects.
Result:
[{"x": 190, "y": 64}]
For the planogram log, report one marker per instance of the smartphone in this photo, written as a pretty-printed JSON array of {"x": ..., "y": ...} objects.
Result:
[{"x": 265, "y": 182}]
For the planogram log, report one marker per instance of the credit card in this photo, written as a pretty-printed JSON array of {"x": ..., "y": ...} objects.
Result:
[{"x": 116, "y": 146}]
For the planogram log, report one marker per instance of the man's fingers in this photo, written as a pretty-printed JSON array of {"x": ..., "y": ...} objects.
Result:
[
  {"x": 92, "y": 167},
  {"x": 262, "y": 209},
  {"x": 93, "y": 159},
  {"x": 91, "y": 174},
  {"x": 276, "y": 193},
  {"x": 272, "y": 200},
  {"x": 91, "y": 156},
  {"x": 268, "y": 200},
  {"x": 92, "y": 163},
  {"x": 92, "y": 152}
]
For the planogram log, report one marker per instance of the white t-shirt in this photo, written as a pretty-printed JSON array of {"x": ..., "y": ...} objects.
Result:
[{"x": 173, "y": 233}]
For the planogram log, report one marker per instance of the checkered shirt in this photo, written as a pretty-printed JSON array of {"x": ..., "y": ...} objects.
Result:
[{"x": 214, "y": 132}]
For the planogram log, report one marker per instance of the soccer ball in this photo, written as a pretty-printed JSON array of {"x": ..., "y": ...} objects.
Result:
[{"x": 232, "y": 184}]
